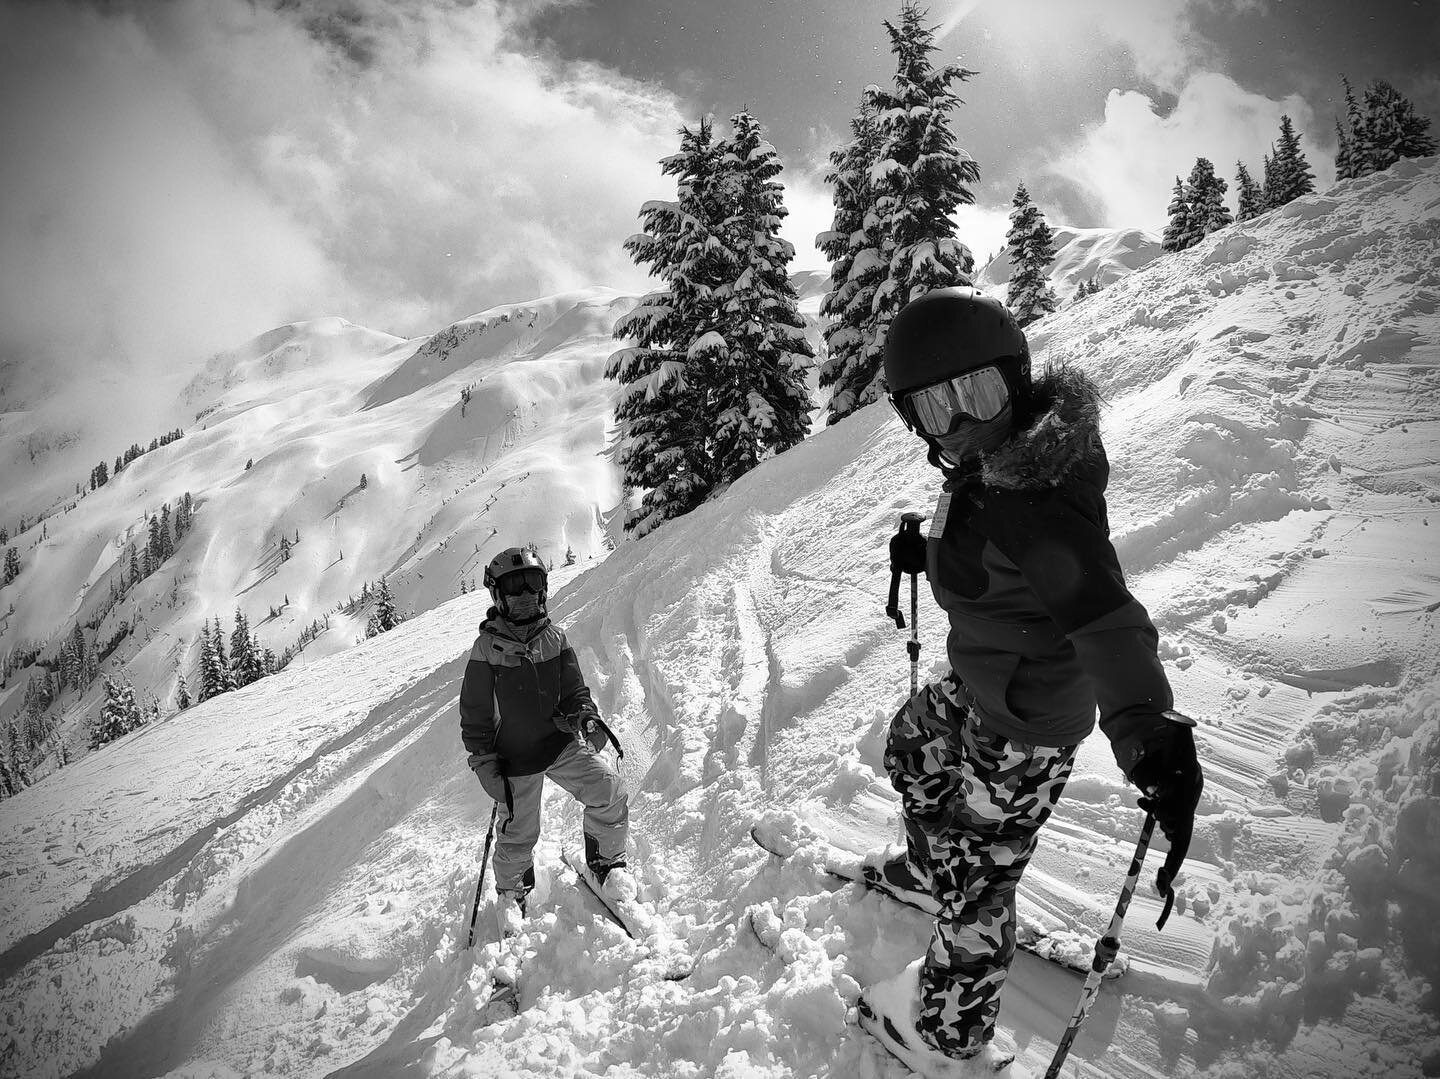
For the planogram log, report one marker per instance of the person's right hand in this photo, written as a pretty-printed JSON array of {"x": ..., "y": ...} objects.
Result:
[
  {"x": 1163, "y": 764},
  {"x": 486, "y": 767}
]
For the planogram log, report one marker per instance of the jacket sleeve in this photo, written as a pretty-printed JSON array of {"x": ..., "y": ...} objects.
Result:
[
  {"x": 1069, "y": 562},
  {"x": 574, "y": 693},
  {"x": 477, "y": 708}
]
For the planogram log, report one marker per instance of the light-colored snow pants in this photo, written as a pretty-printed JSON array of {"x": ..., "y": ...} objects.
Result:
[
  {"x": 593, "y": 782},
  {"x": 974, "y": 803}
]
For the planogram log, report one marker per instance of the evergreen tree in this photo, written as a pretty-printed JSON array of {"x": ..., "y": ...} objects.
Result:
[
  {"x": 756, "y": 393},
  {"x": 386, "y": 616},
  {"x": 245, "y": 666},
  {"x": 9, "y": 782},
  {"x": 85, "y": 665},
  {"x": 118, "y": 716},
  {"x": 135, "y": 576},
  {"x": 211, "y": 684},
  {"x": 921, "y": 173},
  {"x": 852, "y": 245},
  {"x": 662, "y": 434},
  {"x": 1344, "y": 157},
  {"x": 1247, "y": 193},
  {"x": 1293, "y": 177},
  {"x": 1177, "y": 231},
  {"x": 224, "y": 678},
  {"x": 1393, "y": 130},
  {"x": 1032, "y": 248},
  {"x": 12, "y": 564},
  {"x": 1268, "y": 183},
  {"x": 1208, "y": 211},
  {"x": 1360, "y": 161},
  {"x": 182, "y": 692}
]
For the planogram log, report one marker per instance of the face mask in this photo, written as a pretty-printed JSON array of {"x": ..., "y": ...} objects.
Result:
[
  {"x": 971, "y": 440},
  {"x": 526, "y": 607}
]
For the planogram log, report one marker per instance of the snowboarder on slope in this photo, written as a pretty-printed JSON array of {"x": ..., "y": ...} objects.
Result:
[
  {"x": 1042, "y": 630},
  {"x": 525, "y": 713}
]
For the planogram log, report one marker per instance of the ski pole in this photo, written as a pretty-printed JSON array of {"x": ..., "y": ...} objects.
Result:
[
  {"x": 1106, "y": 948},
  {"x": 907, "y": 555},
  {"x": 484, "y": 862},
  {"x": 913, "y": 644}
]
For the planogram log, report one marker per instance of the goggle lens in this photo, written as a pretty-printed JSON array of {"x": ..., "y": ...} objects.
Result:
[
  {"x": 976, "y": 395},
  {"x": 521, "y": 581}
]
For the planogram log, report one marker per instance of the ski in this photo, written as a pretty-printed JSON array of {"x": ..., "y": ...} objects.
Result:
[
  {"x": 637, "y": 920},
  {"x": 1067, "y": 949}
]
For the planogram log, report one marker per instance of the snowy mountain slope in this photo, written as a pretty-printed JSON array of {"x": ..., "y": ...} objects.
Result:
[
  {"x": 288, "y": 426},
  {"x": 1080, "y": 255},
  {"x": 289, "y": 897}
]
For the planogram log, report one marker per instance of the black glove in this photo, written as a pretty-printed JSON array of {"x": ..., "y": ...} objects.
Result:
[
  {"x": 594, "y": 734},
  {"x": 570, "y": 722},
  {"x": 486, "y": 767},
  {"x": 1161, "y": 761}
]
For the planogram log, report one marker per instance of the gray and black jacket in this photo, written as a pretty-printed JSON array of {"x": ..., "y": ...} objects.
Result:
[
  {"x": 518, "y": 680},
  {"x": 1042, "y": 626}
]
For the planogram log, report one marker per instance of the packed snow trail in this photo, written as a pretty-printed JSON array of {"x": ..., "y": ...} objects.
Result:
[{"x": 1274, "y": 438}]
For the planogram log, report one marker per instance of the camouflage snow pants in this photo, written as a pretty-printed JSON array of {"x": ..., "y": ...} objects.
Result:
[{"x": 974, "y": 803}]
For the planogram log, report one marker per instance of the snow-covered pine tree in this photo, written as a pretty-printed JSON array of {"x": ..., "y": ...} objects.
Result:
[
  {"x": 1293, "y": 177},
  {"x": 852, "y": 244},
  {"x": 119, "y": 715},
  {"x": 1208, "y": 211},
  {"x": 1392, "y": 127},
  {"x": 1269, "y": 183},
  {"x": 1344, "y": 158},
  {"x": 1361, "y": 157},
  {"x": 182, "y": 692},
  {"x": 1032, "y": 247},
  {"x": 1248, "y": 195},
  {"x": 209, "y": 667},
  {"x": 662, "y": 435},
  {"x": 1178, "y": 233},
  {"x": 12, "y": 564},
  {"x": 920, "y": 176},
  {"x": 244, "y": 662},
  {"x": 756, "y": 392},
  {"x": 386, "y": 616},
  {"x": 224, "y": 676}
]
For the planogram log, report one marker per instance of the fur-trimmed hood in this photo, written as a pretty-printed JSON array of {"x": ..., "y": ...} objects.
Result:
[{"x": 1063, "y": 433}]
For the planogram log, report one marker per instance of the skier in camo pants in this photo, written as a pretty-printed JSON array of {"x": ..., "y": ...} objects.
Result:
[{"x": 1042, "y": 631}]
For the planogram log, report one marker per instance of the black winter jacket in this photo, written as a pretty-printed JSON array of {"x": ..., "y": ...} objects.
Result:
[
  {"x": 1042, "y": 626},
  {"x": 518, "y": 680}
]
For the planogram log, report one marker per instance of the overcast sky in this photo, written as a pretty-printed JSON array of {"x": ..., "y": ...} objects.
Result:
[{"x": 181, "y": 175}]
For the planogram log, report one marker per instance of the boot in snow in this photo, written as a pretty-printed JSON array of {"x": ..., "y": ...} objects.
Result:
[
  {"x": 895, "y": 874},
  {"x": 888, "y": 1011},
  {"x": 509, "y": 912}
]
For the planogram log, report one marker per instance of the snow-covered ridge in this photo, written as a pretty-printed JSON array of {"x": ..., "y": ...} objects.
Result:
[
  {"x": 1104, "y": 255},
  {"x": 287, "y": 898}
]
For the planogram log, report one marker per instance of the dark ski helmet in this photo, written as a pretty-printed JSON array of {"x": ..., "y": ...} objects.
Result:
[
  {"x": 949, "y": 331},
  {"x": 512, "y": 573}
]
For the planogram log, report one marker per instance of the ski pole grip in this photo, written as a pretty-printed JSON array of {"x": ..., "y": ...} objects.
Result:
[{"x": 893, "y": 607}]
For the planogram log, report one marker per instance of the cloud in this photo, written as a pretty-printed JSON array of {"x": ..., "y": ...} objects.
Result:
[
  {"x": 1127, "y": 164},
  {"x": 181, "y": 176},
  {"x": 1051, "y": 34}
]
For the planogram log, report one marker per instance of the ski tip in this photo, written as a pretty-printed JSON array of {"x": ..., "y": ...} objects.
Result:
[{"x": 777, "y": 845}]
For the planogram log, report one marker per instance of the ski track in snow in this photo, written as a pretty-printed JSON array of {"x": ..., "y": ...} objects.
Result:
[{"x": 293, "y": 897}]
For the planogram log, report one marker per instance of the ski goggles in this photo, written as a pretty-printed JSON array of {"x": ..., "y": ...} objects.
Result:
[
  {"x": 521, "y": 581},
  {"x": 935, "y": 409}
]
